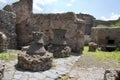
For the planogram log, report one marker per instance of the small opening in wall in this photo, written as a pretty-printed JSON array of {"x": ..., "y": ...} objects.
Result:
[{"x": 110, "y": 41}]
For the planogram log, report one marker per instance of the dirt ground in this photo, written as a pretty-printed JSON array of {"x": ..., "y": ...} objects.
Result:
[{"x": 88, "y": 67}]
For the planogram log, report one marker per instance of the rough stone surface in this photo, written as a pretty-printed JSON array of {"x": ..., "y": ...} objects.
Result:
[
  {"x": 112, "y": 74},
  {"x": 92, "y": 46},
  {"x": 58, "y": 45},
  {"x": 102, "y": 35},
  {"x": 35, "y": 62},
  {"x": 87, "y": 39},
  {"x": 26, "y": 22},
  {"x": 23, "y": 11},
  {"x": 60, "y": 51},
  {"x": 7, "y": 26},
  {"x": 3, "y": 42},
  {"x": 8, "y": 8},
  {"x": 106, "y": 37},
  {"x": 1, "y": 72},
  {"x": 36, "y": 58},
  {"x": 67, "y": 21},
  {"x": 25, "y": 48},
  {"x": 37, "y": 47},
  {"x": 89, "y": 22}
]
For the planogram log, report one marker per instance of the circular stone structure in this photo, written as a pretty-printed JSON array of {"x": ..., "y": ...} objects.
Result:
[
  {"x": 59, "y": 46},
  {"x": 36, "y": 58},
  {"x": 35, "y": 62}
]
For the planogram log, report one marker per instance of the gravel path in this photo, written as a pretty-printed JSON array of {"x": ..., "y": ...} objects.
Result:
[{"x": 90, "y": 68}]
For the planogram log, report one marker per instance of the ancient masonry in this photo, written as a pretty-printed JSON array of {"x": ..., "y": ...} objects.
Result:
[
  {"x": 59, "y": 46},
  {"x": 3, "y": 42},
  {"x": 106, "y": 36},
  {"x": 36, "y": 58},
  {"x": 18, "y": 22},
  {"x": 2, "y": 67},
  {"x": 7, "y": 27},
  {"x": 27, "y": 22}
]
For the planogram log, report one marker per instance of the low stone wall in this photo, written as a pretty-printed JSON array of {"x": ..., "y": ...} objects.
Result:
[{"x": 102, "y": 35}]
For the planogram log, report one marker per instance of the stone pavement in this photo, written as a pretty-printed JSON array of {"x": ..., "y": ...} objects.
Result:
[{"x": 61, "y": 66}]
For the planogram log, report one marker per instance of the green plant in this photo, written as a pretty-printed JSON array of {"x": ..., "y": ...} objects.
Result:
[
  {"x": 9, "y": 55},
  {"x": 117, "y": 24},
  {"x": 101, "y": 55},
  {"x": 101, "y": 26}
]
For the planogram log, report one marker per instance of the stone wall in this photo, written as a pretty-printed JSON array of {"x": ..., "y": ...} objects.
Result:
[
  {"x": 7, "y": 26},
  {"x": 23, "y": 21},
  {"x": 102, "y": 35},
  {"x": 67, "y": 21},
  {"x": 23, "y": 11},
  {"x": 106, "y": 23},
  {"x": 89, "y": 22},
  {"x": 27, "y": 22}
]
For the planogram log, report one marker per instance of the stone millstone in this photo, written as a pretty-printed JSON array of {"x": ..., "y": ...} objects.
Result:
[
  {"x": 59, "y": 46},
  {"x": 36, "y": 58},
  {"x": 60, "y": 51},
  {"x": 59, "y": 37},
  {"x": 35, "y": 62},
  {"x": 37, "y": 47}
]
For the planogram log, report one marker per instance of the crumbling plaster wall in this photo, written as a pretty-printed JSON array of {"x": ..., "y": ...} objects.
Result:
[
  {"x": 89, "y": 22},
  {"x": 67, "y": 21},
  {"x": 23, "y": 11},
  {"x": 27, "y": 22}
]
